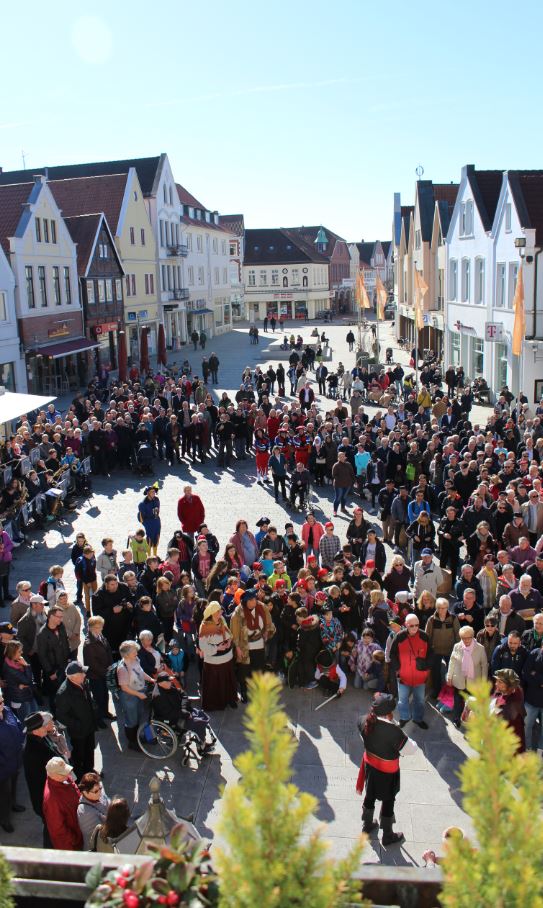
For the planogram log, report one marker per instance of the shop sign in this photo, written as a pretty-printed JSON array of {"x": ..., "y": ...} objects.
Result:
[
  {"x": 131, "y": 316},
  {"x": 106, "y": 327},
  {"x": 282, "y": 296},
  {"x": 61, "y": 330},
  {"x": 494, "y": 332}
]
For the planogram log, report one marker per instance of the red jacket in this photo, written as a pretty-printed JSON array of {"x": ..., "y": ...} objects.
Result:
[
  {"x": 404, "y": 652},
  {"x": 60, "y": 800},
  {"x": 191, "y": 513}
]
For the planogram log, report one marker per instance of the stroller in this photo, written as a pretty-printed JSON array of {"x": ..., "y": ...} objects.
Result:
[{"x": 143, "y": 459}]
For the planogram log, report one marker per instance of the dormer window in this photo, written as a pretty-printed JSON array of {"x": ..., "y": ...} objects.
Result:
[{"x": 191, "y": 212}]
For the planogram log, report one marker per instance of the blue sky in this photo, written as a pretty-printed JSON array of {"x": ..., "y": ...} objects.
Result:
[{"x": 292, "y": 112}]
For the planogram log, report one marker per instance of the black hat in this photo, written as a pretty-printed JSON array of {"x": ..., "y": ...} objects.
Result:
[
  {"x": 33, "y": 721},
  {"x": 383, "y": 704},
  {"x": 248, "y": 594},
  {"x": 163, "y": 676},
  {"x": 7, "y": 628},
  {"x": 262, "y": 521},
  {"x": 325, "y": 659}
]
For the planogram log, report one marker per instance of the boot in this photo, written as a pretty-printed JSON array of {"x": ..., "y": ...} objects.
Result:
[
  {"x": 368, "y": 823},
  {"x": 132, "y": 738},
  {"x": 389, "y": 837}
]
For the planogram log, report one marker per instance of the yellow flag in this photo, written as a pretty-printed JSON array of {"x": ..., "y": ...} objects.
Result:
[
  {"x": 421, "y": 289},
  {"x": 382, "y": 297},
  {"x": 519, "y": 327},
  {"x": 361, "y": 292}
]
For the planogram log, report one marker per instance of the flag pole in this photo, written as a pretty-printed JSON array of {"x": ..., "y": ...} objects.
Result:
[{"x": 377, "y": 335}]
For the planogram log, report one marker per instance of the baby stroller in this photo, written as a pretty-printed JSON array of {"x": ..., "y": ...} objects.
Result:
[{"x": 143, "y": 459}]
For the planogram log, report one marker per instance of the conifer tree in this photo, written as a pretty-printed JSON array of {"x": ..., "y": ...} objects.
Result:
[
  {"x": 502, "y": 795},
  {"x": 6, "y": 888},
  {"x": 268, "y": 859}
]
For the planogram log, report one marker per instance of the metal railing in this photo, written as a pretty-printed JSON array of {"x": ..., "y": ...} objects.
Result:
[
  {"x": 180, "y": 293},
  {"x": 179, "y": 249}
]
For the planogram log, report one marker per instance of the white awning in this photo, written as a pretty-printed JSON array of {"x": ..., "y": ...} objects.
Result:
[{"x": 13, "y": 405}]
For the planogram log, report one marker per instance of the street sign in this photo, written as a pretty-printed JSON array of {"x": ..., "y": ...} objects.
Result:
[{"x": 494, "y": 332}]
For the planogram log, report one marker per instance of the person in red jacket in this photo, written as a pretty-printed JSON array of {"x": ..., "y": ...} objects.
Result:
[
  {"x": 190, "y": 511},
  {"x": 410, "y": 659},
  {"x": 60, "y": 800}
]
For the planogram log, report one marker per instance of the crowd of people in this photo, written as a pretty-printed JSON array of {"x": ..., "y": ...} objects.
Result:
[{"x": 446, "y": 588}]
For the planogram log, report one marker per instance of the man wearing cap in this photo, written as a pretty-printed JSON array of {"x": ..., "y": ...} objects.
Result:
[
  {"x": 428, "y": 576},
  {"x": 299, "y": 484},
  {"x": 379, "y": 774},
  {"x": 75, "y": 708},
  {"x": 329, "y": 546},
  {"x": 262, "y": 525},
  {"x": 173, "y": 706},
  {"x": 38, "y": 749},
  {"x": 250, "y": 626},
  {"x": 60, "y": 802}
]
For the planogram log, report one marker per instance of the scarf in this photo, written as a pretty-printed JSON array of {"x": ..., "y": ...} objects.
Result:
[
  {"x": 468, "y": 668},
  {"x": 210, "y": 629},
  {"x": 252, "y": 617}
]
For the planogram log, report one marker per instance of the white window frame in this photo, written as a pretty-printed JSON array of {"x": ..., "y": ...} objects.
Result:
[
  {"x": 512, "y": 274},
  {"x": 3, "y": 306},
  {"x": 251, "y": 278},
  {"x": 465, "y": 280},
  {"x": 508, "y": 217},
  {"x": 479, "y": 289},
  {"x": 500, "y": 285},
  {"x": 453, "y": 281}
]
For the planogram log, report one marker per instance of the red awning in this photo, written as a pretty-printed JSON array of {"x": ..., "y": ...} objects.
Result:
[{"x": 65, "y": 348}]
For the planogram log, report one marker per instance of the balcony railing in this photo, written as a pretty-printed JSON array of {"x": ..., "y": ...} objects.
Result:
[
  {"x": 181, "y": 293},
  {"x": 180, "y": 249}
]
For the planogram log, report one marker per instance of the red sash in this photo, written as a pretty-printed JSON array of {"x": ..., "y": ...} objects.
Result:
[{"x": 389, "y": 766}]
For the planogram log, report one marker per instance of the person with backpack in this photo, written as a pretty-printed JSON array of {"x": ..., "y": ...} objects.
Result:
[{"x": 85, "y": 572}]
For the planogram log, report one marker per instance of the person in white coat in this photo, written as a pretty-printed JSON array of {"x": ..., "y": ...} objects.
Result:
[
  {"x": 468, "y": 663},
  {"x": 427, "y": 574}
]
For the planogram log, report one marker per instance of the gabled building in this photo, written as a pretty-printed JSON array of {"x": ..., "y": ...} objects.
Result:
[
  {"x": 12, "y": 364},
  {"x": 235, "y": 225},
  {"x": 101, "y": 281},
  {"x": 372, "y": 261},
  {"x": 42, "y": 256},
  {"x": 284, "y": 275},
  {"x": 336, "y": 250}
]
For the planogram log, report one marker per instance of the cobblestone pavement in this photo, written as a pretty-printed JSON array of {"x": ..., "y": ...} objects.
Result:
[{"x": 329, "y": 751}]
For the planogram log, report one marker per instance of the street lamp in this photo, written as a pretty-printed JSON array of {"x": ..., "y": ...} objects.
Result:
[{"x": 155, "y": 826}]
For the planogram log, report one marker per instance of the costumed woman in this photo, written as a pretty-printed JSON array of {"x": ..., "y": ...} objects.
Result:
[
  {"x": 149, "y": 516},
  {"x": 219, "y": 685},
  {"x": 508, "y": 702},
  {"x": 379, "y": 774}
]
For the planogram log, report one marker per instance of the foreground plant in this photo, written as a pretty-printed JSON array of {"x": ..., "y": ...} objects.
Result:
[
  {"x": 6, "y": 888},
  {"x": 268, "y": 859},
  {"x": 177, "y": 874},
  {"x": 502, "y": 795}
]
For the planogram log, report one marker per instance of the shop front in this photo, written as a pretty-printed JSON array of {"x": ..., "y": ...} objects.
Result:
[
  {"x": 175, "y": 325},
  {"x": 106, "y": 335},
  {"x": 61, "y": 367},
  {"x": 135, "y": 321},
  {"x": 200, "y": 318}
]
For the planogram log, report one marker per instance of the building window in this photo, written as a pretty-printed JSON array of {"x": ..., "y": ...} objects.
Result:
[
  {"x": 295, "y": 276},
  {"x": 189, "y": 242},
  {"x": 165, "y": 194},
  {"x": 478, "y": 356},
  {"x": 466, "y": 280},
  {"x": 275, "y": 277},
  {"x": 512, "y": 284},
  {"x": 109, "y": 291},
  {"x": 263, "y": 278},
  {"x": 200, "y": 276},
  {"x": 133, "y": 284},
  {"x": 225, "y": 275},
  {"x": 170, "y": 195},
  {"x": 453, "y": 281},
  {"x": 455, "y": 348},
  {"x": 500, "y": 285},
  {"x": 151, "y": 283},
  {"x": 101, "y": 292},
  {"x": 191, "y": 275},
  {"x": 38, "y": 229},
  {"x": 223, "y": 247},
  {"x": 147, "y": 283},
  {"x": 42, "y": 285},
  {"x": 118, "y": 289},
  {"x": 466, "y": 219},
  {"x": 508, "y": 218},
  {"x": 161, "y": 225},
  {"x": 127, "y": 279},
  {"x": 417, "y": 240},
  {"x": 90, "y": 292},
  {"x": 132, "y": 237},
  {"x": 169, "y": 271},
  {"x": 252, "y": 278},
  {"x": 215, "y": 244},
  {"x": 56, "y": 285},
  {"x": 285, "y": 282},
  {"x": 30, "y": 298},
  {"x": 102, "y": 250},
  {"x": 45, "y": 230},
  {"x": 199, "y": 243},
  {"x": 479, "y": 280},
  {"x": 304, "y": 281},
  {"x": 501, "y": 365},
  {"x": 3, "y": 307},
  {"x": 232, "y": 249},
  {"x": 164, "y": 278}
]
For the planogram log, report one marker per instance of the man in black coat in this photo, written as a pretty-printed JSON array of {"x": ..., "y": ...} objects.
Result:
[
  {"x": 112, "y": 603},
  {"x": 53, "y": 652},
  {"x": 38, "y": 749},
  {"x": 510, "y": 654},
  {"x": 76, "y": 710}
]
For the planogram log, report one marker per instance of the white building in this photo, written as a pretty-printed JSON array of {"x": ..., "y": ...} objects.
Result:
[
  {"x": 482, "y": 269},
  {"x": 235, "y": 225},
  {"x": 12, "y": 366}
]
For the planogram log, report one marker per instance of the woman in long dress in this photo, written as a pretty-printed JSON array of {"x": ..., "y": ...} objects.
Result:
[{"x": 219, "y": 686}]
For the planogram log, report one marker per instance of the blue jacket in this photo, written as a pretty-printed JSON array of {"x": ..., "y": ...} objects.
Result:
[
  {"x": 414, "y": 509},
  {"x": 11, "y": 744},
  {"x": 532, "y": 675}
]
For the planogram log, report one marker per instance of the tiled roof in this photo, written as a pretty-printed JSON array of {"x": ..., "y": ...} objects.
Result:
[
  {"x": 83, "y": 230},
  {"x": 365, "y": 251},
  {"x": 385, "y": 245},
  {"x": 446, "y": 192},
  {"x": 146, "y": 169},
  {"x": 203, "y": 224},
  {"x": 278, "y": 246},
  {"x": 527, "y": 190},
  {"x": 234, "y": 223},
  {"x": 485, "y": 186},
  {"x": 309, "y": 236},
  {"x": 445, "y": 210},
  {"x": 91, "y": 195},
  {"x": 428, "y": 193},
  {"x": 186, "y": 198},
  {"x": 12, "y": 199}
]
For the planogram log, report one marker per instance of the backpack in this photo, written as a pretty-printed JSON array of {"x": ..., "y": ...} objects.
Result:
[
  {"x": 112, "y": 681},
  {"x": 42, "y": 589}
]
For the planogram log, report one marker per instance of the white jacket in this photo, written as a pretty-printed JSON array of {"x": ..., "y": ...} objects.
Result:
[
  {"x": 429, "y": 581},
  {"x": 456, "y": 676}
]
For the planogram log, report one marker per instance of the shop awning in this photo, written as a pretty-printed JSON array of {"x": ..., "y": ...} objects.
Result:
[
  {"x": 200, "y": 311},
  {"x": 13, "y": 405},
  {"x": 57, "y": 351}
]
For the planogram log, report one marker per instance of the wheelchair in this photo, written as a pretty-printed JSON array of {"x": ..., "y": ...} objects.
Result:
[{"x": 160, "y": 741}]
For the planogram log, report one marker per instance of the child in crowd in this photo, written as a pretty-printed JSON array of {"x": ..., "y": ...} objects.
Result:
[
  {"x": 176, "y": 660},
  {"x": 328, "y": 675},
  {"x": 140, "y": 548}
]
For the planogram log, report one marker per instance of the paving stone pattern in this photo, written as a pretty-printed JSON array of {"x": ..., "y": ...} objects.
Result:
[{"x": 328, "y": 756}]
